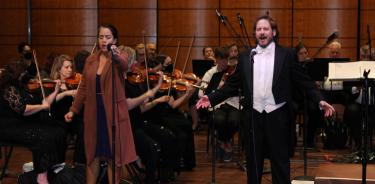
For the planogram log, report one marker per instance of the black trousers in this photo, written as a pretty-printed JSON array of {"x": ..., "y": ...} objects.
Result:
[
  {"x": 45, "y": 139},
  {"x": 148, "y": 150},
  {"x": 76, "y": 128},
  {"x": 226, "y": 119},
  {"x": 268, "y": 138},
  {"x": 182, "y": 128},
  {"x": 153, "y": 142},
  {"x": 167, "y": 141}
]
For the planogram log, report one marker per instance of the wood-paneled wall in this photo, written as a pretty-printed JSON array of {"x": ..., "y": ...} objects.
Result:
[
  {"x": 183, "y": 20},
  {"x": 316, "y": 20},
  {"x": 67, "y": 26},
  {"x": 368, "y": 15},
  {"x": 63, "y": 26},
  {"x": 13, "y": 22},
  {"x": 132, "y": 18}
]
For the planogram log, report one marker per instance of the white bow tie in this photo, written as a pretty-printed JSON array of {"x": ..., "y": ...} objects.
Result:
[{"x": 261, "y": 50}]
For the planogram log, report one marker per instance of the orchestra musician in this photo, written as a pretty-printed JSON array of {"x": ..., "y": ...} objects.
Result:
[
  {"x": 151, "y": 50},
  {"x": 233, "y": 50},
  {"x": 152, "y": 141},
  {"x": 365, "y": 54},
  {"x": 208, "y": 53},
  {"x": 334, "y": 49},
  {"x": 196, "y": 115},
  {"x": 267, "y": 117},
  {"x": 95, "y": 92},
  {"x": 316, "y": 118},
  {"x": 22, "y": 123},
  {"x": 166, "y": 113},
  {"x": 227, "y": 114},
  {"x": 141, "y": 57},
  {"x": 131, "y": 53},
  {"x": 63, "y": 70},
  {"x": 24, "y": 68}
]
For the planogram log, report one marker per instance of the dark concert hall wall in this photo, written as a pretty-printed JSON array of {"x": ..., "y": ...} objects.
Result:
[{"x": 66, "y": 26}]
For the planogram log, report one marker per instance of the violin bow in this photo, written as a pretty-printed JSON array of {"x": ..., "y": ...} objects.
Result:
[
  {"x": 40, "y": 79},
  {"x": 144, "y": 49},
  {"x": 174, "y": 65},
  {"x": 188, "y": 54},
  {"x": 38, "y": 74}
]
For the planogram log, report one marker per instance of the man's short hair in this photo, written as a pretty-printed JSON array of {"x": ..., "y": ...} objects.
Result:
[
  {"x": 21, "y": 46},
  {"x": 221, "y": 52},
  {"x": 273, "y": 23}
]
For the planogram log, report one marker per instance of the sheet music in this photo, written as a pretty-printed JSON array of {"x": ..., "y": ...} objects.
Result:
[{"x": 350, "y": 70}]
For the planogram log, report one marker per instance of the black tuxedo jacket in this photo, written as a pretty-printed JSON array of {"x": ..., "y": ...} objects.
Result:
[{"x": 287, "y": 74}]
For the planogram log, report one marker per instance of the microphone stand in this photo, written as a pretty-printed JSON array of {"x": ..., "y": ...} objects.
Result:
[
  {"x": 213, "y": 144},
  {"x": 304, "y": 149},
  {"x": 244, "y": 31},
  {"x": 241, "y": 164},
  {"x": 252, "y": 134},
  {"x": 365, "y": 101},
  {"x": 113, "y": 121},
  {"x": 232, "y": 31}
]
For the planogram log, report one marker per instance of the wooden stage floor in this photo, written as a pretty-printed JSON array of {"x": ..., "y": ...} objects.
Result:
[{"x": 226, "y": 173}]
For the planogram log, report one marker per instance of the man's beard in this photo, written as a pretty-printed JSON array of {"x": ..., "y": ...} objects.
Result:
[{"x": 265, "y": 46}]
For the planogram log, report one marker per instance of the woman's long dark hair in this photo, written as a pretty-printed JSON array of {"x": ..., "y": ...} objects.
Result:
[
  {"x": 6, "y": 77},
  {"x": 113, "y": 30}
]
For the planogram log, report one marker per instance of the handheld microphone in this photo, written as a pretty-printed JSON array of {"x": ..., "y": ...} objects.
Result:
[
  {"x": 109, "y": 49},
  {"x": 253, "y": 53},
  {"x": 114, "y": 56}
]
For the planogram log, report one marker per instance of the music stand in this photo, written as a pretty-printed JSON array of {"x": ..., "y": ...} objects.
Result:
[
  {"x": 349, "y": 72},
  {"x": 200, "y": 66},
  {"x": 318, "y": 68}
]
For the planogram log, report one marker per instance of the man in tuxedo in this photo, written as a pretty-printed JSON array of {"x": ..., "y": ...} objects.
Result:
[{"x": 267, "y": 105}]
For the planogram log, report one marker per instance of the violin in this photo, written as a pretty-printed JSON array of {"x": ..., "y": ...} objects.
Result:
[
  {"x": 34, "y": 85},
  {"x": 186, "y": 79},
  {"x": 73, "y": 81},
  {"x": 166, "y": 84},
  {"x": 137, "y": 77}
]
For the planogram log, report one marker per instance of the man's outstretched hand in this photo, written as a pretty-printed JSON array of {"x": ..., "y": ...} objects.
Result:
[
  {"x": 203, "y": 102},
  {"x": 328, "y": 109}
]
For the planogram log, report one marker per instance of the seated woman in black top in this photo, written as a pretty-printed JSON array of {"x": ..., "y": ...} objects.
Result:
[
  {"x": 154, "y": 143},
  {"x": 63, "y": 70},
  {"x": 166, "y": 113},
  {"x": 22, "y": 123}
]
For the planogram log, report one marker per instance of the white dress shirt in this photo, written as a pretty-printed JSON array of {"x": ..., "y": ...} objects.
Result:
[{"x": 264, "y": 62}]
